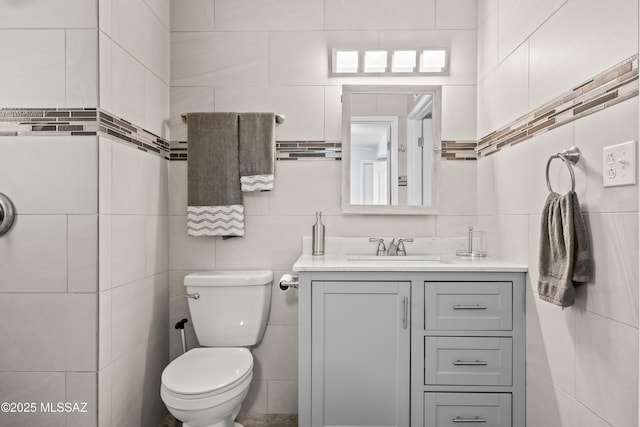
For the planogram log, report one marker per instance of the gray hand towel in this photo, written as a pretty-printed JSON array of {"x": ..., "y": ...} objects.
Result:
[
  {"x": 214, "y": 196},
  {"x": 257, "y": 150},
  {"x": 565, "y": 254}
]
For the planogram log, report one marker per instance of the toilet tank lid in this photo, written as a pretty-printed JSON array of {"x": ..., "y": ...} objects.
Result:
[{"x": 229, "y": 278}]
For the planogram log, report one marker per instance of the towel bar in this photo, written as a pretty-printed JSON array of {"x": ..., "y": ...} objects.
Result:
[
  {"x": 279, "y": 118},
  {"x": 570, "y": 157}
]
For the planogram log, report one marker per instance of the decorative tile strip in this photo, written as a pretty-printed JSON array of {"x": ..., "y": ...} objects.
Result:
[
  {"x": 120, "y": 130},
  {"x": 308, "y": 150},
  {"x": 459, "y": 150},
  {"x": 606, "y": 89},
  {"x": 48, "y": 121}
]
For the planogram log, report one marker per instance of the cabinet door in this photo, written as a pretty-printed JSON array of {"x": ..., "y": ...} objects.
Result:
[{"x": 360, "y": 354}]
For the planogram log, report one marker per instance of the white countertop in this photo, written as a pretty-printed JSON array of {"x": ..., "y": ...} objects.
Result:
[{"x": 339, "y": 262}]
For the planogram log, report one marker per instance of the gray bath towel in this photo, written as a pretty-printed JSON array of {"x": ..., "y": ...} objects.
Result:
[
  {"x": 214, "y": 196},
  {"x": 565, "y": 254},
  {"x": 257, "y": 150}
]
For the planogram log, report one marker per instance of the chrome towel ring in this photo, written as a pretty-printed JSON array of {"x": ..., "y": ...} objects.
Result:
[
  {"x": 570, "y": 157},
  {"x": 7, "y": 214}
]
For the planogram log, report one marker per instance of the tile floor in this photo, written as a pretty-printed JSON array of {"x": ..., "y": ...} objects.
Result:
[{"x": 250, "y": 420}]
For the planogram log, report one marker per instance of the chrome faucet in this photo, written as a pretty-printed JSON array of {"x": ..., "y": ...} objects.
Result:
[
  {"x": 396, "y": 247},
  {"x": 381, "y": 247}
]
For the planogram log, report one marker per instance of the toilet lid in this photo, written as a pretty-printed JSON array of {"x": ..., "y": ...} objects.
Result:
[{"x": 203, "y": 370}]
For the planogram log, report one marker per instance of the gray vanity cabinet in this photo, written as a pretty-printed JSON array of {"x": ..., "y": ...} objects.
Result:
[
  {"x": 360, "y": 359},
  {"x": 412, "y": 349}
]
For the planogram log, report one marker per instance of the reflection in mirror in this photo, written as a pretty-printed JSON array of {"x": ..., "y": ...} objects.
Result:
[{"x": 390, "y": 136}]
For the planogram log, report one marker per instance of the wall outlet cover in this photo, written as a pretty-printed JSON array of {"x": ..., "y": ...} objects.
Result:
[{"x": 619, "y": 164}]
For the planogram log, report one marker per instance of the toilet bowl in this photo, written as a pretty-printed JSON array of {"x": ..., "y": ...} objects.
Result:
[{"x": 206, "y": 386}]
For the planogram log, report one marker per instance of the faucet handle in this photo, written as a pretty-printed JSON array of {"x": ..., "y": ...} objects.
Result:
[
  {"x": 381, "y": 247},
  {"x": 401, "y": 250}
]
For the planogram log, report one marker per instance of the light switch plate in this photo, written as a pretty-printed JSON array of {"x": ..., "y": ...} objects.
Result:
[{"x": 619, "y": 164}]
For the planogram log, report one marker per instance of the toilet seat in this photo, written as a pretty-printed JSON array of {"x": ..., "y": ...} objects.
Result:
[{"x": 206, "y": 372}]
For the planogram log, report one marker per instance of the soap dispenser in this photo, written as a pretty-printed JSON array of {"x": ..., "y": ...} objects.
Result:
[{"x": 318, "y": 236}]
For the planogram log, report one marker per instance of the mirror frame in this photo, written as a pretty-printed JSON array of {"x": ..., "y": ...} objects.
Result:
[{"x": 347, "y": 92}]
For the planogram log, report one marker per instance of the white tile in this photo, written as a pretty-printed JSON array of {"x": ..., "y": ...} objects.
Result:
[
  {"x": 34, "y": 255},
  {"x": 303, "y": 188},
  {"x": 127, "y": 388},
  {"x": 359, "y": 15},
  {"x": 105, "y": 171},
  {"x": 106, "y": 72},
  {"x": 274, "y": 15},
  {"x": 613, "y": 292},
  {"x": 272, "y": 243},
  {"x": 178, "y": 188},
  {"x": 488, "y": 44},
  {"x": 157, "y": 244},
  {"x": 504, "y": 93},
  {"x": 219, "y": 59},
  {"x": 82, "y": 246},
  {"x": 185, "y": 100},
  {"x": 81, "y": 68},
  {"x": 46, "y": 14},
  {"x": 45, "y": 332},
  {"x": 455, "y": 226},
  {"x": 487, "y": 186},
  {"x": 189, "y": 252},
  {"x": 104, "y": 329},
  {"x": 33, "y": 69},
  {"x": 303, "y": 106},
  {"x": 128, "y": 248},
  {"x": 456, "y": 14},
  {"x": 485, "y": 8},
  {"x": 534, "y": 250},
  {"x": 153, "y": 409},
  {"x": 595, "y": 35},
  {"x": 128, "y": 86},
  {"x": 104, "y": 16},
  {"x": 457, "y": 188},
  {"x": 104, "y": 252},
  {"x": 607, "y": 127},
  {"x": 82, "y": 387},
  {"x": 511, "y": 238},
  {"x": 192, "y": 15},
  {"x": 607, "y": 368},
  {"x": 520, "y": 18},
  {"x": 551, "y": 342},
  {"x": 33, "y": 387},
  {"x": 139, "y": 309},
  {"x": 548, "y": 405},
  {"x": 256, "y": 400},
  {"x": 333, "y": 113},
  {"x": 459, "y": 113},
  {"x": 104, "y": 397},
  {"x": 157, "y": 105},
  {"x": 69, "y": 165},
  {"x": 373, "y": 225},
  {"x": 141, "y": 33},
  {"x": 282, "y": 397},
  {"x": 161, "y": 9},
  {"x": 276, "y": 357}
]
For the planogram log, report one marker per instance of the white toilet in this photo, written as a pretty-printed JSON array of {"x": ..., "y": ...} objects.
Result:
[{"x": 229, "y": 309}]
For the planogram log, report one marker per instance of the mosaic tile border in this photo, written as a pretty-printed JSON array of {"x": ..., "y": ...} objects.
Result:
[
  {"x": 48, "y": 121},
  {"x": 285, "y": 150},
  {"x": 459, "y": 150},
  {"x": 606, "y": 89},
  {"x": 120, "y": 130}
]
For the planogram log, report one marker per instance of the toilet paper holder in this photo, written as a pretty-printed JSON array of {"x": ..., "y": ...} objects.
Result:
[{"x": 288, "y": 281}]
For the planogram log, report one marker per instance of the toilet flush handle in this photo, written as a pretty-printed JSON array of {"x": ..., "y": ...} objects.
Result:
[{"x": 194, "y": 295}]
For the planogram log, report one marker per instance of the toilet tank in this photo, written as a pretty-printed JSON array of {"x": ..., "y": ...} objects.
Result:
[{"x": 232, "y": 307}]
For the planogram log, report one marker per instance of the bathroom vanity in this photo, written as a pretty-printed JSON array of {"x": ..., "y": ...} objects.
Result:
[{"x": 427, "y": 342}]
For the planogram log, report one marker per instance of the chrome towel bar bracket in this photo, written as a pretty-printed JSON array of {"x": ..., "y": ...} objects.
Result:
[
  {"x": 7, "y": 214},
  {"x": 570, "y": 157}
]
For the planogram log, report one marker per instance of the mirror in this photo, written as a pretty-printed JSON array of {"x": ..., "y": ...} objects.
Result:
[{"x": 390, "y": 149}]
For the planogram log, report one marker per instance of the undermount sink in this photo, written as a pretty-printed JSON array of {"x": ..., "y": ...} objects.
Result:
[{"x": 394, "y": 258}]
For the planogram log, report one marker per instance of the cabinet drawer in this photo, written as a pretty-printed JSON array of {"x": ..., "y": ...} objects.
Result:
[
  {"x": 475, "y": 306},
  {"x": 468, "y": 361},
  {"x": 467, "y": 409}
]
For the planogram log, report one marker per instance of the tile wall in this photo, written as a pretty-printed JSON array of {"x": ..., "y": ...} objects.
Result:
[
  {"x": 582, "y": 362},
  {"x": 230, "y": 55}
]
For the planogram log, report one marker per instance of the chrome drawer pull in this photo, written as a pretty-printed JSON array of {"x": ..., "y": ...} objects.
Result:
[
  {"x": 469, "y": 420},
  {"x": 470, "y": 363},
  {"x": 470, "y": 307}
]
